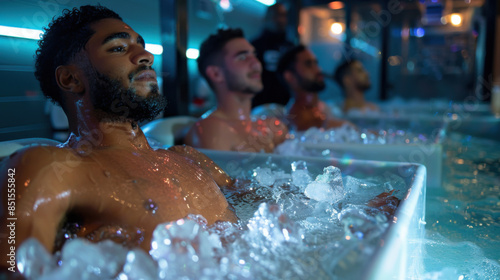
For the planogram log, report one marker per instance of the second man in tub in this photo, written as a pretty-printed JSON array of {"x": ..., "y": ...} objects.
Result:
[{"x": 229, "y": 64}]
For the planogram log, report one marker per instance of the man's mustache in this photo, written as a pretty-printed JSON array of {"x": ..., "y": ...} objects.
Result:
[{"x": 138, "y": 70}]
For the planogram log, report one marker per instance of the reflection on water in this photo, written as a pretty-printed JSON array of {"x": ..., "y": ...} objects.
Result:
[{"x": 463, "y": 217}]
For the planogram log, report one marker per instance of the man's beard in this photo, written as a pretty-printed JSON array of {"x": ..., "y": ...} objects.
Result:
[
  {"x": 119, "y": 103},
  {"x": 311, "y": 85},
  {"x": 237, "y": 84},
  {"x": 364, "y": 86}
]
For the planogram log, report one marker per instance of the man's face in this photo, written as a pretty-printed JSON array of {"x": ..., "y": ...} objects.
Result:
[
  {"x": 121, "y": 81},
  {"x": 279, "y": 18},
  {"x": 242, "y": 69},
  {"x": 360, "y": 77},
  {"x": 308, "y": 72}
]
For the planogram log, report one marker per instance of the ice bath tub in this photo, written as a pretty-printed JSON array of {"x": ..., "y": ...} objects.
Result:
[
  {"x": 484, "y": 126},
  {"x": 428, "y": 153},
  {"x": 399, "y": 254}
]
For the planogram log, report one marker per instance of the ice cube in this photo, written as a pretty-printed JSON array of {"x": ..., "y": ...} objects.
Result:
[
  {"x": 320, "y": 191},
  {"x": 300, "y": 174},
  {"x": 264, "y": 176},
  {"x": 139, "y": 265},
  {"x": 33, "y": 260}
]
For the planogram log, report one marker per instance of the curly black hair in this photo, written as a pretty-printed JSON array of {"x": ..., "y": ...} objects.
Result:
[
  {"x": 62, "y": 40},
  {"x": 212, "y": 47}
]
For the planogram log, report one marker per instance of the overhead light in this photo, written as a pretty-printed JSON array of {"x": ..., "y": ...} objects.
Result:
[
  {"x": 154, "y": 49},
  {"x": 225, "y": 5},
  {"x": 456, "y": 19},
  {"x": 267, "y": 2},
  {"x": 35, "y": 34},
  {"x": 17, "y": 32},
  {"x": 336, "y": 28},
  {"x": 192, "y": 53},
  {"x": 336, "y": 5}
]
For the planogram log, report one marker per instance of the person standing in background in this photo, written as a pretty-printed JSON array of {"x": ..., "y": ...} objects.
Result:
[{"x": 269, "y": 46}]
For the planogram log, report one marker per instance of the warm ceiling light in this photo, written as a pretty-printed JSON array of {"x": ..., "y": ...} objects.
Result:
[
  {"x": 336, "y": 5},
  {"x": 336, "y": 28},
  {"x": 456, "y": 19}
]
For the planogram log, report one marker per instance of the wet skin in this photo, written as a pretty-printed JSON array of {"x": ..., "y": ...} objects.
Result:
[
  {"x": 308, "y": 110},
  {"x": 230, "y": 127},
  {"x": 220, "y": 133},
  {"x": 114, "y": 186},
  {"x": 110, "y": 177}
]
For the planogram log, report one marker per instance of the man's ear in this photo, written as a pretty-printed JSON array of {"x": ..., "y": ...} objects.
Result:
[
  {"x": 346, "y": 81},
  {"x": 215, "y": 73},
  {"x": 288, "y": 76},
  {"x": 68, "y": 79}
]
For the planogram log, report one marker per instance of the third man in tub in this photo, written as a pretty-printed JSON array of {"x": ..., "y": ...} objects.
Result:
[
  {"x": 229, "y": 64},
  {"x": 301, "y": 72},
  {"x": 354, "y": 80},
  {"x": 105, "y": 178}
]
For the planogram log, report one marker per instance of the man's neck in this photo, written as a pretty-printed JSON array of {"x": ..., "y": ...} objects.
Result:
[
  {"x": 90, "y": 129},
  {"x": 305, "y": 98},
  {"x": 355, "y": 96},
  {"x": 235, "y": 106}
]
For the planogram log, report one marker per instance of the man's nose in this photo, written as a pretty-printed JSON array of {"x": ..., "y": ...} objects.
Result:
[
  {"x": 143, "y": 57},
  {"x": 255, "y": 64}
]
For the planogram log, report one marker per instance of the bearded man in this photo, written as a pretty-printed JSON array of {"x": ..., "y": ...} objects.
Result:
[{"x": 105, "y": 180}]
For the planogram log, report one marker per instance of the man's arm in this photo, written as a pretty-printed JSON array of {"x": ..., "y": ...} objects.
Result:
[{"x": 31, "y": 202}]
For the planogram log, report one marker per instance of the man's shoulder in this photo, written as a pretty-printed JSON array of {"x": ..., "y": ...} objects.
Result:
[
  {"x": 214, "y": 123},
  {"x": 39, "y": 156}
]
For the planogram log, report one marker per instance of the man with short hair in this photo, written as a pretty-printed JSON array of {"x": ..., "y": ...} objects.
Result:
[
  {"x": 105, "y": 180},
  {"x": 300, "y": 70},
  {"x": 228, "y": 62},
  {"x": 354, "y": 80}
]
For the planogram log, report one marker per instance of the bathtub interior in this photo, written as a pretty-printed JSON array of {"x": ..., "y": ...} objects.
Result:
[
  {"x": 420, "y": 142},
  {"x": 430, "y": 155},
  {"x": 433, "y": 127},
  {"x": 400, "y": 253}
]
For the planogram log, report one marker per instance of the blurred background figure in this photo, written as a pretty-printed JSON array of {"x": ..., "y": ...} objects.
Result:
[
  {"x": 269, "y": 45},
  {"x": 228, "y": 62},
  {"x": 354, "y": 80},
  {"x": 299, "y": 68}
]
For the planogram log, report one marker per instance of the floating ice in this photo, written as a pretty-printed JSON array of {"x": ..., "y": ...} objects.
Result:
[
  {"x": 138, "y": 265},
  {"x": 33, "y": 260},
  {"x": 300, "y": 174},
  {"x": 183, "y": 249},
  {"x": 300, "y": 229},
  {"x": 264, "y": 176},
  {"x": 349, "y": 134},
  {"x": 327, "y": 186}
]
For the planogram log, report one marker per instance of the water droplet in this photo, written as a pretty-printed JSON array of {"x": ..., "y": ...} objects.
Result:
[
  {"x": 134, "y": 181},
  {"x": 150, "y": 205}
]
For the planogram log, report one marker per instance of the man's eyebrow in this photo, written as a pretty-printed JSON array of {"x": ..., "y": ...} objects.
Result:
[
  {"x": 244, "y": 52},
  {"x": 123, "y": 35},
  {"x": 119, "y": 35},
  {"x": 140, "y": 40}
]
